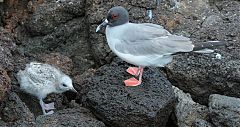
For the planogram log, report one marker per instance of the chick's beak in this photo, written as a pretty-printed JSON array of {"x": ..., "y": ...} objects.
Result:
[
  {"x": 104, "y": 24},
  {"x": 73, "y": 90}
]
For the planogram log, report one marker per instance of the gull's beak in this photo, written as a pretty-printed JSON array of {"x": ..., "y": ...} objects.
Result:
[
  {"x": 104, "y": 24},
  {"x": 73, "y": 90}
]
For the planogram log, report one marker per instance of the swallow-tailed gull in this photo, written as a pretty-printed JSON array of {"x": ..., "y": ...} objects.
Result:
[
  {"x": 41, "y": 79},
  {"x": 143, "y": 44}
]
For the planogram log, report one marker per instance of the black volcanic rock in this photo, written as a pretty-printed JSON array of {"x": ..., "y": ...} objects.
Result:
[
  {"x": 224, "y": 110},
  {"x": 204, "y": 74},
  {"x": 15, "y": 112},
  {"x": 147, "y": 105},
  {"x": 71, "y": 117}
]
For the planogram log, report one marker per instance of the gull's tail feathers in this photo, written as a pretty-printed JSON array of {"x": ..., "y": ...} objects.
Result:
[{"x": 207, "y": 47}]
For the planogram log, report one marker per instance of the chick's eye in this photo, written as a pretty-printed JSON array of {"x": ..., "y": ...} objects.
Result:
[{"x": 64, "y": 85}]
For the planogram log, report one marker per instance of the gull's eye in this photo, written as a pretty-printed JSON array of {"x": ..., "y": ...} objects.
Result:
[
  {"x": 64, "y": 85},
  {"x": 114, "y": 16}
]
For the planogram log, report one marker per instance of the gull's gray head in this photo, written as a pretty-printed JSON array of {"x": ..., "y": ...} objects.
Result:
[
  {"x": 65, "y": 84},
  {"x": 116, "y": 16}
]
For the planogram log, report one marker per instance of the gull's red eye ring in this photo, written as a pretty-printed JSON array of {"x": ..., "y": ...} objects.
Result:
[{"x": 114, "y": 16}]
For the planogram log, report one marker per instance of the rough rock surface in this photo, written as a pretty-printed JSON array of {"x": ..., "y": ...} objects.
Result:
[
  {"x": 201, "y": 123},
  {"x": 60, "y": 101},
  {"x": 15, "y": 112},
  {"x": 204, "y": 74},
  {"x": 7, "y": 46},
  {"x": 57, "y": 27},
  {"x": 5, "y": 83},
  {"x": 188, "y": 112},
  {"x": 64, "y": 63},
  {"x": 1, "y": 15},
  {"x": 149, "y": 104},
  {"x": 224, "y": 111},
  {"x": 76, "y": 117},
  {"x": 49, "y": 15}
]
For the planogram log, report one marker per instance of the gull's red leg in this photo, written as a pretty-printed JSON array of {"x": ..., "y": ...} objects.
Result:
[
  {"x": 140, "y": 75},
  {"x": 133, "y": 71}
]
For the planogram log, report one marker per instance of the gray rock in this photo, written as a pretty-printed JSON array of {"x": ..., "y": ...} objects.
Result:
[
  {"x": 57, "y": 26},
  {"x": 75, "y": 117},
  {"x": 1, "y": 15},
  {"x": 60, "y": 101},
  {"x": 204, "y": 74},
  {"x": 64, "y": 63},
  {"x": 3, "y": 124},
  {"x": 69, "y": 39},
  {"x": 15, "y": 112},
  {"x": 224, "y": 110},
  {"x": 201, "y": 123},
  {"x": 49, "y": 15},
  {"x": 7, "y": 46},
  {"x": 189, "y": 113},
  {"x": 5, "y": 84},
  {"x": 147, "y": 105}
]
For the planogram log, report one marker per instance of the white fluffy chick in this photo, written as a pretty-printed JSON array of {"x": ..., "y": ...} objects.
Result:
[{"x": 41, "y": 79}]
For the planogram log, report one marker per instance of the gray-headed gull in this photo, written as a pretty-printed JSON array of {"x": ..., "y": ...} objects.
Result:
[{"x": 143, "y": 44}]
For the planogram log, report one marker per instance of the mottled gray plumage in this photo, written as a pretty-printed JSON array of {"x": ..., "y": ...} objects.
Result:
[{"x": 41, "y": 79}]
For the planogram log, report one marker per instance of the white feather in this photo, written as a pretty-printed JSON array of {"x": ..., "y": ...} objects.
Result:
[
  {"x": 206, "y": 50},
  {"x": 41, "y": 79}
]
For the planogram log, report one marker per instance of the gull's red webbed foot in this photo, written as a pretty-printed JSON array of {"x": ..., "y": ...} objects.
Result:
[
  {"x": 132, "y": 82},
  {"x": 136, "y": 72}
]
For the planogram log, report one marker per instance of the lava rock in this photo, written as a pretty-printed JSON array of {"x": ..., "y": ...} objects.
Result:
[
  {"x": 3, "y": 124},
  {"x": 201, "y": 123},
  {"x": 224, "y": 111},
  {"x": 7, "y": 46},
  {"x": 149, "y": 104},
  {"x": 75, "y": 117},
  {"x": 60, "y": 101},
  {"x": 189, "y": 113},
  {"x": 15, "y": 112},
  {"x": 205, "y": 74},
  {"x": 69, "y": 39},
  {"x": 1, "y": 15},
  {"x": 64, "y": 63},
  {"x": 5, "y": 83},
  {"x": 49, "y": 15},
  {"x": 78, "y": 81}
]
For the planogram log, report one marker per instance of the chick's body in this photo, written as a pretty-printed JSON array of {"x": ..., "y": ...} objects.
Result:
[{"x": 41, "y": 79}]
